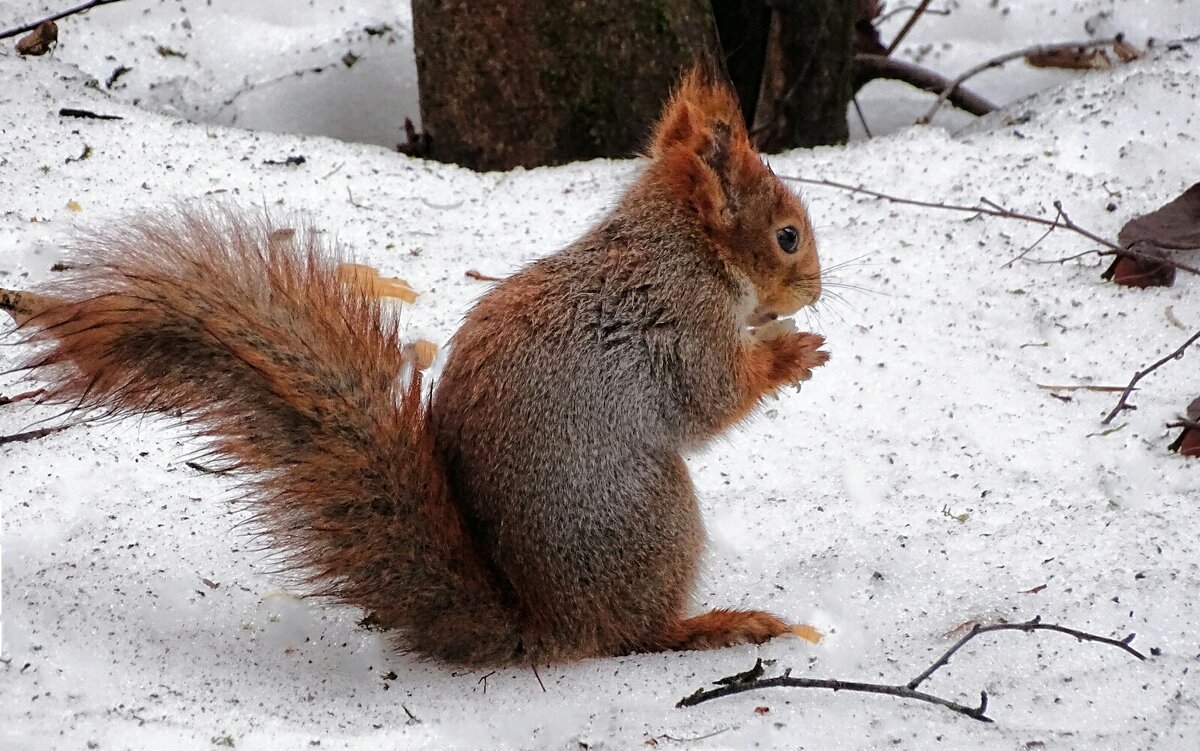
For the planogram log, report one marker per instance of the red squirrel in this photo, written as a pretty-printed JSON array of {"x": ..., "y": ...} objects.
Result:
[{"x": 536, "y": 507}]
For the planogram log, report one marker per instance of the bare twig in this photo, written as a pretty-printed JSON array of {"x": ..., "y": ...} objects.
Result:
[
  {"x": 879, "y": 66},
  {"x": 32, "y": 435},
  {"x": 991, "y": 208},
  {"x": 21, "y": 397},
  {"x": 787, "y": 681},
  {"x": 1081, "y": 387},
  {"x": 861, "y": 118},
  {"x": 1058, "y": 215},
  {"x": 912, "y": 21},
  {"x": 1122, "y": 402},
  {"x": 908, "y": 690},
  {"x": 1064, "y": 259},
  {"x": 995, "y": 62},
  {"x": 480, "y": 276},
  {"x": 905, "y": 8},
  {"x": 34, "y": 24},
  {"x": 694, "y": 738}
]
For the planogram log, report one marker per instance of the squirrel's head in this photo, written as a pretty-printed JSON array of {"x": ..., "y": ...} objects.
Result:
[{"x": 703, "y": 157}]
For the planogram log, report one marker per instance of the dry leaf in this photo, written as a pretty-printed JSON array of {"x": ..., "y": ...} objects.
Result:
[
  {"x": 1071, "y": 59},
  {"x": 73, "y": 205},
  {"x": 1126, "y": 51},
  {"x": 421, "y": 353},
  {"x": 23, "y": 305},
  {"x": 40, "y": 40},
  {"x": 369, "y": 279},
  {"x": 1173, "y": 227},
  {"x": 1188, "y": 442}
]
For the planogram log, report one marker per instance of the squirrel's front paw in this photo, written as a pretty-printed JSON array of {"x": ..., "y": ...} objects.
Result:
[{"x": 795, "y": 356}]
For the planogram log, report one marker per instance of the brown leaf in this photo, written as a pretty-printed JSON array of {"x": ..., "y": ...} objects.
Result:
[
  {"x": 1071, "y": 59},
  {"x": 1139, "y": 272},
  {"x": 1174, "y": 226},
  {"x": 1188, "y": 441},
  {"x": 1126, "y": 51},
  {"x": 40, "y": 40},
  {"x": 369, "y": 279}
]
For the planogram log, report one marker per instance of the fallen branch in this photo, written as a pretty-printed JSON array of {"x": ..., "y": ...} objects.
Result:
[
  {"x": 751, "y": 680},
  {"x": 34, "y": 24},
  {"x": 31, "y": 435},
  {"x": 1122, "y": 402},
  {"x": 869, "y": 67},
  {"x": 991, "y": 208},
  {"x": 995, "y": 62}
]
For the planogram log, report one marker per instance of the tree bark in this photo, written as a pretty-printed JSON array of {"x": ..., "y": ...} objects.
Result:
[
  {"x": 534, "y": 82},
  {"x": 808, "y": 74}
]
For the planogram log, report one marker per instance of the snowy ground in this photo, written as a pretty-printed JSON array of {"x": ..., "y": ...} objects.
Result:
[{"x": 920, "y": 481}]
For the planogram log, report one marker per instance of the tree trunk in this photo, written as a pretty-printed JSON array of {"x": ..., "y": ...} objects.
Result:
[
  {"x": 807, "y": 77},
  {"x": 533, "y": 82}
]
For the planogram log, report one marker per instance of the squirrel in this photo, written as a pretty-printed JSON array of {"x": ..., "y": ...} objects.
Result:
[{"x": 534, "y": 505}]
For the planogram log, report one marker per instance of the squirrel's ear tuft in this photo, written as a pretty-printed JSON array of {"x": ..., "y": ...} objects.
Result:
[{"x": 699, "y": 112}]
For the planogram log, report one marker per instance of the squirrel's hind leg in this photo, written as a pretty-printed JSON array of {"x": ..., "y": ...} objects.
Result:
[{"x": 725, "y": 628}]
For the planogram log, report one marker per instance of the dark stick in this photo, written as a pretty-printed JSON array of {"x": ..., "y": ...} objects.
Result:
[
  {"x": 1031, "y": 625},
  {"x": 744, "y": 682},
  {"x": 879, "y": 66},
  {"x": 33, "y": 25},
  {"x": 912, "y": 21},
  {"x": 1121, "y": 403},
  {"x": 21, "y": 397},
  {"x": 995, "y": 62},
  {"x": 86, "y": 114},
  {"x": 991, "y": 208},
  {"x": 786, "y": 681},
  {"x": 31, "y": 435},
  {"x": 861, "y": 118}
]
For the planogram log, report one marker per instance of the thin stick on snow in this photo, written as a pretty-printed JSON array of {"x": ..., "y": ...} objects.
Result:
[
  {"x": 995, "y": 62},
  {"x": 751, "y": 680},
  {"x": 1122, "y": 402},
  {"x": 77, "y": 9},
  {"x": 991, "y": 208}
]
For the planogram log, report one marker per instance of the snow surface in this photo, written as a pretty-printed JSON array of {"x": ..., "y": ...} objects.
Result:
[{"x": 921, "y": 480}]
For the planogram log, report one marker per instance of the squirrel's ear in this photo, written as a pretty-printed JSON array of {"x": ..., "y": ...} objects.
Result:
[{"x": 703, "y": 148}]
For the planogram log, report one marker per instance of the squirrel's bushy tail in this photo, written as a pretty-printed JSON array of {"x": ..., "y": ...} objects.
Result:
[{"x": 297, "y": 378}]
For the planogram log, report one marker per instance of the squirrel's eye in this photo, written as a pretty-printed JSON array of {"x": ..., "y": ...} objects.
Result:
[{"x": 787, "y": 238}]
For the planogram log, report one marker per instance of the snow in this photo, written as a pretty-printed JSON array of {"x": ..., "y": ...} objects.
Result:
[{"x": 921, "y": 480}]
